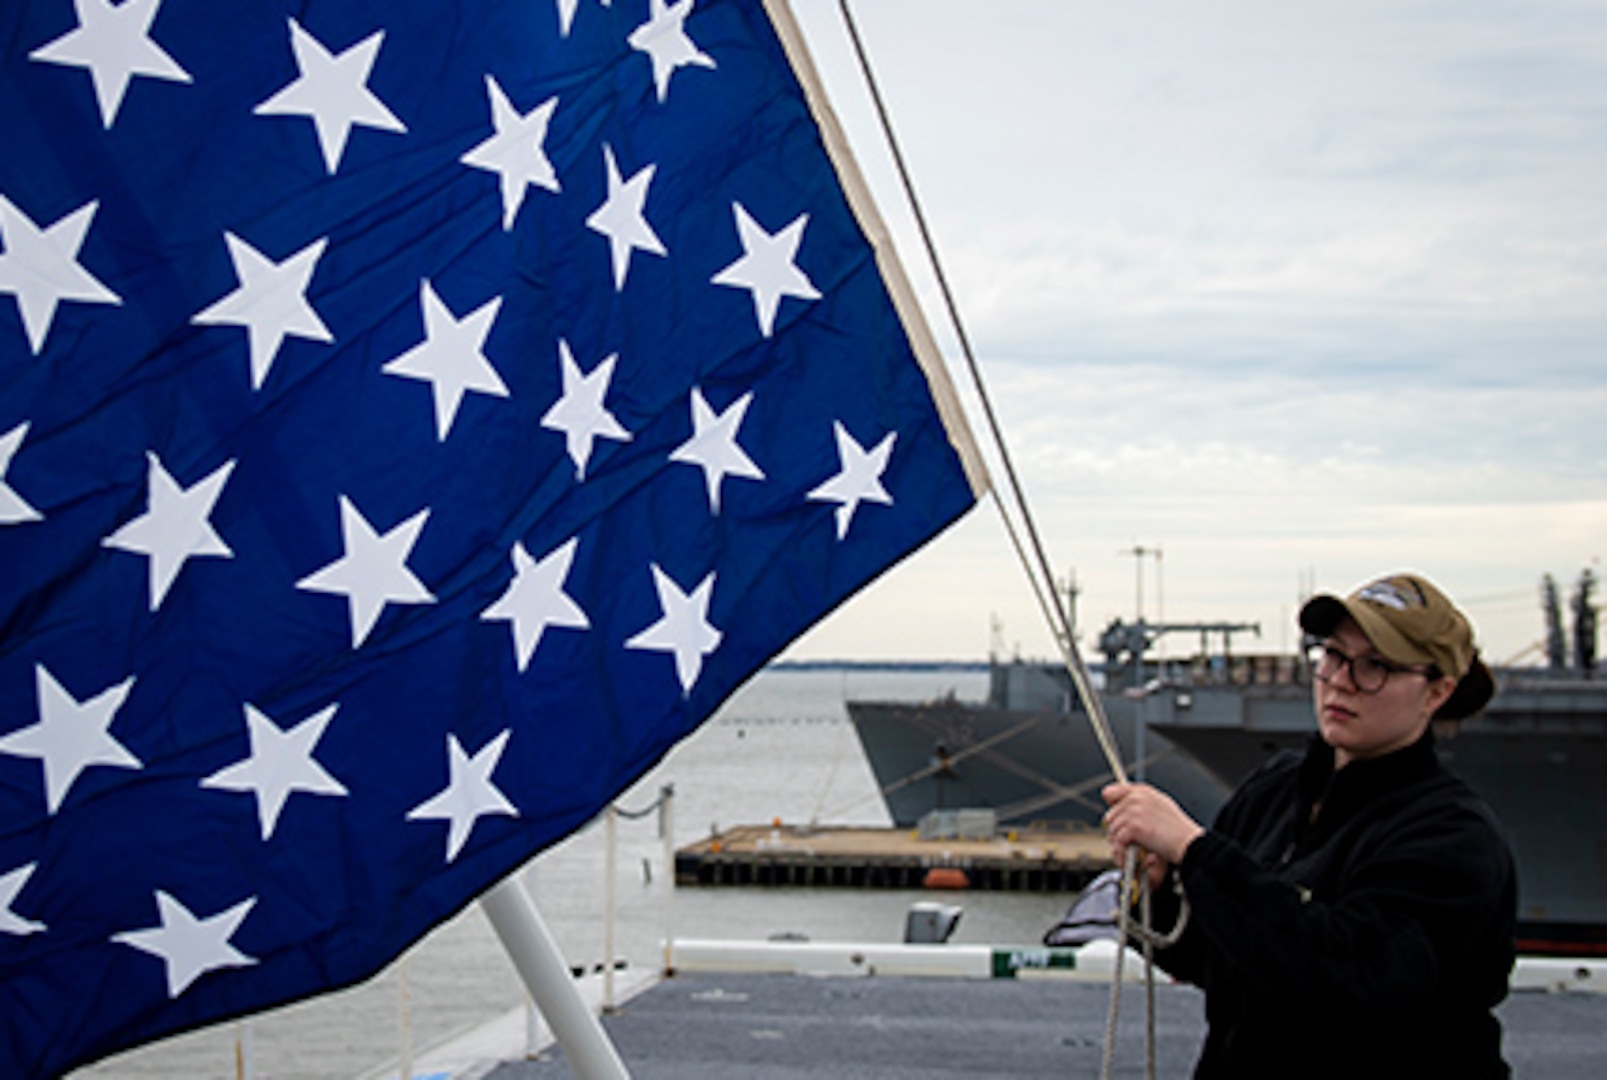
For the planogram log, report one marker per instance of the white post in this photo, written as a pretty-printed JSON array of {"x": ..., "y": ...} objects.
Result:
[
  {"x": 666, "y": 821},
  {"x": 534, "y": 1039},
  {"x": 529, "y": 944},
  {"x": 610, "y": 872},
  {"x": 404, "y": 1008},
  {"x": 244, "y": 1036}
]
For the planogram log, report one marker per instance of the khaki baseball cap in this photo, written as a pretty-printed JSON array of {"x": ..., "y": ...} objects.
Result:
[{"x": 1410, "y": 621}]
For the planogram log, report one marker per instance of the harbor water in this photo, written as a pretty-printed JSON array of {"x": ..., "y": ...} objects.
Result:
[{"x": 781, "y": 748}]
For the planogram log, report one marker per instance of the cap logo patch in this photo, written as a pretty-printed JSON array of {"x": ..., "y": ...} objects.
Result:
[{"x": 1388, "y": 594}]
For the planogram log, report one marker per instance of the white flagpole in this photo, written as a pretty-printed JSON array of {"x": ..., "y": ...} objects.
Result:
[{"x": 535, "y": 954}]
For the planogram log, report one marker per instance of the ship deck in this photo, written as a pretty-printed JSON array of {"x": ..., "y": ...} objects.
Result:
[{"x": 792, "y": 1027}]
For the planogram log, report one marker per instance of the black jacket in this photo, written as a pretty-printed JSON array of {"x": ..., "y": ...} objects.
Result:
[{"x": 1356, "y": 923}]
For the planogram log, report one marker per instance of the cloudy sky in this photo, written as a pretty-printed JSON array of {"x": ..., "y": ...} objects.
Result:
[{"x": 1295, "y": 293}]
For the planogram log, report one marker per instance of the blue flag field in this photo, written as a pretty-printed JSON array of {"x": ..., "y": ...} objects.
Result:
[{"x": 415, "y": 417}]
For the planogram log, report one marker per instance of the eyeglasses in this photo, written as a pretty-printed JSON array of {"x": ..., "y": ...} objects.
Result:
[{"x": 1368, "y": 674}]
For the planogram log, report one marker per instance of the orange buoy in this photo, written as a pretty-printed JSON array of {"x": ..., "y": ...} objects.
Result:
[{"x": 946, "y": 877}]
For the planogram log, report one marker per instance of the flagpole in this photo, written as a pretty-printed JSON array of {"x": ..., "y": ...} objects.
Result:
[{"x": 535, "y": 954}]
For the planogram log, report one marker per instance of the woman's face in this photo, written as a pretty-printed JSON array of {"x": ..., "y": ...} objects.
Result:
[{"x": 1361, "y": 725}]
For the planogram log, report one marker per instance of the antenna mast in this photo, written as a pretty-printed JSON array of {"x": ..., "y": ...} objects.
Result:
[{"x": 1139, "y": 552}]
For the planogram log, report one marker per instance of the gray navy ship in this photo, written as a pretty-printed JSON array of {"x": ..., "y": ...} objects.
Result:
[{"x": 1198, "y": 726}]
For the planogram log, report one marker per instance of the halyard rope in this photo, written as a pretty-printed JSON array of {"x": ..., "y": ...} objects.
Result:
[{"x": 1041, "y": 579}]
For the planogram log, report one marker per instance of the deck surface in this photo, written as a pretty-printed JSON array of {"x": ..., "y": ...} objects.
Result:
[{"x": 789, "y": 1027}]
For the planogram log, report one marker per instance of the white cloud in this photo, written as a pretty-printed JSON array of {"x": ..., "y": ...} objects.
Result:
[{"x": 1287, "y": 290}]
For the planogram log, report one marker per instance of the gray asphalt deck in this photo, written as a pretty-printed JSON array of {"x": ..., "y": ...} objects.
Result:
[{"x": 791, "y": 1027}]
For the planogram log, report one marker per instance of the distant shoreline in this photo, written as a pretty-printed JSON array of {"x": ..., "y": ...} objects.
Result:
[{"x": 877, "y": 665}]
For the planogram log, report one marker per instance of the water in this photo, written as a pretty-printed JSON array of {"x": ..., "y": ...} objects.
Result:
[{"x": 781, "y": 748}]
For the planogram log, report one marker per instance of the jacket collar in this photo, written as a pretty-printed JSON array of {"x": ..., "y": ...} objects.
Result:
[{"x": 1342, "y": 792}]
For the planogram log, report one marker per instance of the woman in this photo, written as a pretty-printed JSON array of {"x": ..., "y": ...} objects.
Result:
[{"x": 1351, "y": 910}]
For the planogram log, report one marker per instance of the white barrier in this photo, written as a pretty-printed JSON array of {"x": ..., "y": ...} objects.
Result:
[
  {"x": 1557, "y": 973},
  {"x": 1092, "y": 962}
]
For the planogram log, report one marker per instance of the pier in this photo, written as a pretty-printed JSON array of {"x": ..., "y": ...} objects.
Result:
[{"x": 1036, "y": 859}]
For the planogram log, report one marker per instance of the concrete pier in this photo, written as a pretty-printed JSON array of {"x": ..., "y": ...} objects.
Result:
[{"x": 1025, "y": 860}]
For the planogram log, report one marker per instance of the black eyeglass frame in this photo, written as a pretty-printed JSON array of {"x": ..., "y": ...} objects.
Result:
[{"x": 1319, "y": 653}]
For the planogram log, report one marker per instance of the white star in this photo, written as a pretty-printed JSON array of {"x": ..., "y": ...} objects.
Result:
[
  {"x": 684, "y": 629},
  {"x": 191, "y": 947},
  {"x": 280, "y": 764},
  {"x": 663, "y": 38},
  {"x": 450, "y": 356},
  {"x": 174, "y": 526},
  {"x": 40, "y": 267},
  {"x": 620, "y": 217},
  {"x": 566, "y": 14},
  {"x": 271, "y": 302},
  {"x": 860, "y": 479},
  {"x": 580, "y": 413},
  {"x": 767, "y": 266},
  {"x": 333, "y": 91},
  {"x": 373, "y": 571},
  {"x": 713, "y": 445},
  {"x": 516, "y": 152},
  {"x": 535, "y": 599},
  {"x": 71, "y": 735},
  {"x": 469, "y": 794},
  {"x": 13, "y": 508},
  {"x": 112, "y": 41},
  {"x": 10, "y": 885}
]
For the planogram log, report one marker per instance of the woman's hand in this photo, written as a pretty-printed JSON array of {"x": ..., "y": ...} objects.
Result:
[{"x": 1147, "y": 818}]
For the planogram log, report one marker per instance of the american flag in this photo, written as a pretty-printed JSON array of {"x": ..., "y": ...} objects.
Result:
[{"x": 415, "y": 417}]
